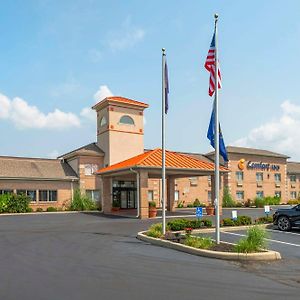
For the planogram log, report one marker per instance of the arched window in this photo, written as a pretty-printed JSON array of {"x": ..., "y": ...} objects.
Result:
[
  {"x": 103, "y": 121},
  {"x": 126, "y": 120}
]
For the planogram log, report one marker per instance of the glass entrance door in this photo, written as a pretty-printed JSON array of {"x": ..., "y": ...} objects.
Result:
[{"x": 125, "y": 194}]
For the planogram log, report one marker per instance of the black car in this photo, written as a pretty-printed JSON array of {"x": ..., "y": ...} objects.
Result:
[{"x": 286, "y": 218}]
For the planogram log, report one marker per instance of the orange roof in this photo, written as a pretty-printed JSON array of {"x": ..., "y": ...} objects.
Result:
[
  {"x": 119, "y": 99},
  {"x": 152, "y": 159}
]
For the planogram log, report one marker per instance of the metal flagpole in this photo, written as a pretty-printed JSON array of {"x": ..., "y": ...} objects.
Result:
[
  {"x": 217, "y": 136},
  {"x": 163, "y": 189}
]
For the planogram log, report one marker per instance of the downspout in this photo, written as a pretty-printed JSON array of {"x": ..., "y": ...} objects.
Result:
[{"x": 137, "y": 191}]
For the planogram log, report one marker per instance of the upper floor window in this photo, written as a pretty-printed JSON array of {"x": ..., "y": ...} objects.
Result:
[
  {"x": 277, "y": 177},
  {"x": 126, "y": 120},
  {"x": 103, "y": 121},
  {"x": 259, "y": 176},
  {"x": 239, "y": 176},
  {"x": 240, "y": 195},
  {"x": 293, "y": 178},
  {"x": 90, "y": 169}
]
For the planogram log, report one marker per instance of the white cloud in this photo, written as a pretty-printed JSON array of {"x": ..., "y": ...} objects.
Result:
[
  {"x": 126, "y": 37},
  {"x": 101, "y": 93},
  {"x": 25, "y": 116},
  {"x": 279, "y": 135}
]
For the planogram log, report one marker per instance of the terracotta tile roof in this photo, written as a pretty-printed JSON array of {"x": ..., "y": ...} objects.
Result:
[
  {"x": 152, "y": 159},
  {"x": 119, "y": 99}
]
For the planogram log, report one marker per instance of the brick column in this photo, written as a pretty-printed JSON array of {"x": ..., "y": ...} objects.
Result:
[
  {"x": 171, "y": 193},
  {"x": 107, "y": 194},
  {"x": 144, "y": 205}
]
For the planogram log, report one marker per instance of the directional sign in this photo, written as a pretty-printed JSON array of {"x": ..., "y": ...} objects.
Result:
[{"x": 199, "y": 212}]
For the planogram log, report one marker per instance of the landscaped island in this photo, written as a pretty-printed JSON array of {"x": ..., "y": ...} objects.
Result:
[{"x": 191, "y": 236}]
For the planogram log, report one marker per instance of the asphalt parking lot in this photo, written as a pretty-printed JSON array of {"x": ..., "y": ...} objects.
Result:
[{"x": 90, "y": 256}]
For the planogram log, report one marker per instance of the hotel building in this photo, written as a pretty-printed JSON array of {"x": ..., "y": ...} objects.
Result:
[{"x": 116, "y": 167}]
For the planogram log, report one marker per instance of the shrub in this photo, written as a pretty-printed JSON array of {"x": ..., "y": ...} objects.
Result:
[
  {"x": 196, "y": 203},
  {"x": 51, "y": 209},
  {"x": 199, "y": 242},
  {"x": 254, "y": 241},
  {"x": 240, "y": 221},
  {"x": 17, "y": 203},
  {"x": 293, "y": 202},
  {"x": 152, "y": 204},
  {"x": 155, "y": 230},
  {"x": 261, "y": 202},
  {"x": 264, "y": 220},
  {"x": 3, "y": 203},
  {"x": 227, "y": 198},
  {"x": 190, "y": 205},
  {"x": 180, "y": 205},
  {"x": 29, "y": 209},
  {"x": 39, "y": 209},
  {"x": 181, "y": 224},
  {"x": 83, "y": 202}
]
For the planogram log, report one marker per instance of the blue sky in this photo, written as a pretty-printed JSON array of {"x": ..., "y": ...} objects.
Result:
[{"x": 56, "y": 55}]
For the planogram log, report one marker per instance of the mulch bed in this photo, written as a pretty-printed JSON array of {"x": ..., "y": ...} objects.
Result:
[{"x": 223, "y": 247}]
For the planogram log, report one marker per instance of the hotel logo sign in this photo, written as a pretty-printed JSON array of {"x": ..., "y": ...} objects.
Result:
[{"x": 257, "y": 166}]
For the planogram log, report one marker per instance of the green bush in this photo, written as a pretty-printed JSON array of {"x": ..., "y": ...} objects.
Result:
[
  {"x": 155, "y": 230},
  {"x": 17, "y": 203},
  {"x": 199, "y": 242},
  {"x": 261, "y": 202},
  {"x": 3, "y": 203},
  {"x": 240, "y": 221},
  {"x": 253, "y": 242},
  {"x": 227, "y": 198},
  {"x": 51, "y": 209},
  {"x": 29, "y": 209},
  {"x": 181, "y": 224},
  {"x": 264, "y": 220},
  {"x": 39, "y": 209},
  {"x": 152, "y": 204},
  {"x": 83, "y": 202},
  {"x": 180, "y": 205},
  {"x": 190, "y": 205},
  {"x": 196, "y": 203},
  {"x": 293, "y": 202}
]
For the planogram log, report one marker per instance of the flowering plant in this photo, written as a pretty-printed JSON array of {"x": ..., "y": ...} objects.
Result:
[{"x": 188, "y": 231}]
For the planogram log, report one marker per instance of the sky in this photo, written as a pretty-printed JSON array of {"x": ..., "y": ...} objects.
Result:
[{"x": 58, "y": 58}]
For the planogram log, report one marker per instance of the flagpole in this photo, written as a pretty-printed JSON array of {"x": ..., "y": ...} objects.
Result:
[
  {"x": 217, "y": 136},
  {"x": 163, "y": 163}
]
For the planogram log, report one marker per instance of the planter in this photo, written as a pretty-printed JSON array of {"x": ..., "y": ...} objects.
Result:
[
  {"x": 210, "y": 210},
  {"x": 152, "y": 212}
]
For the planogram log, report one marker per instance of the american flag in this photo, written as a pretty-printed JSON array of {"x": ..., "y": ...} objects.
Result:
[{"x": 211, "y": 68}]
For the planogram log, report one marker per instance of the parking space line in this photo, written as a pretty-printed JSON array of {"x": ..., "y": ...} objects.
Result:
[
  {"x": 270, "y": 240},
  {"x": 285, "y": 232}
]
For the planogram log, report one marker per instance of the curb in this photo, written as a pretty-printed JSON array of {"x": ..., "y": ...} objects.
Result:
[
  {"x": 48, "y": 213},
  {"x": 261, "y": 256}
]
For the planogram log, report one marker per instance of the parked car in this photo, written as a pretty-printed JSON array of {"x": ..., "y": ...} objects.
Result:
[{"x": 286, "y": 218}]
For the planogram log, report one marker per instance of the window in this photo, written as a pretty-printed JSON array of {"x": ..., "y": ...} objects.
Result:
[
  {"x": 293, "y": 178},
  {"x": 43, "y": 195},
  {"x": 93, "y": 194},
  {"x": 293, "y": 195},
  {"x": 239, "y": 176},
  {"x": 240, "y": 195},
  {"x": 52, "y": 196},
  {"x": 277, "y": 177},
  {"x": 259, "y": 176},
  {"x": 5, "y": 192},
  {"x": 32, "y": 195},
  {"x": 90, "y": 169},
  {"x": 277, "y": 194},
  {"x": 150, "y": 195},
  {"x": 193, "y": 181},
  {"x": 259, "y": 194},
  {"x": 103, "y": 121},
  {"x": 126, "y": 120},
  {"x": 176, "y": 196},
  {"x": 21, "y": 192}
]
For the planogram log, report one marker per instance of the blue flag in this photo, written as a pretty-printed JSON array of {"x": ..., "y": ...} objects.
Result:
[
  {"x": 166, "y": 88},
  {"x": 211, "y": 136}
]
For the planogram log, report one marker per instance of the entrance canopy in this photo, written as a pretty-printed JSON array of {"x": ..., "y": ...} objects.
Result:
[{"x": 177, "y": 164}]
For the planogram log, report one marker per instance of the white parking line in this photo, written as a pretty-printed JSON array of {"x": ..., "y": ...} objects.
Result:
[
  {"x": 285, "y": 232},
  {"x": 274, "y": 241}
]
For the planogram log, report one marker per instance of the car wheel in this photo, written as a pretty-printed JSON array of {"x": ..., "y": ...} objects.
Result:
[{"x": 284, "y": 223}]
